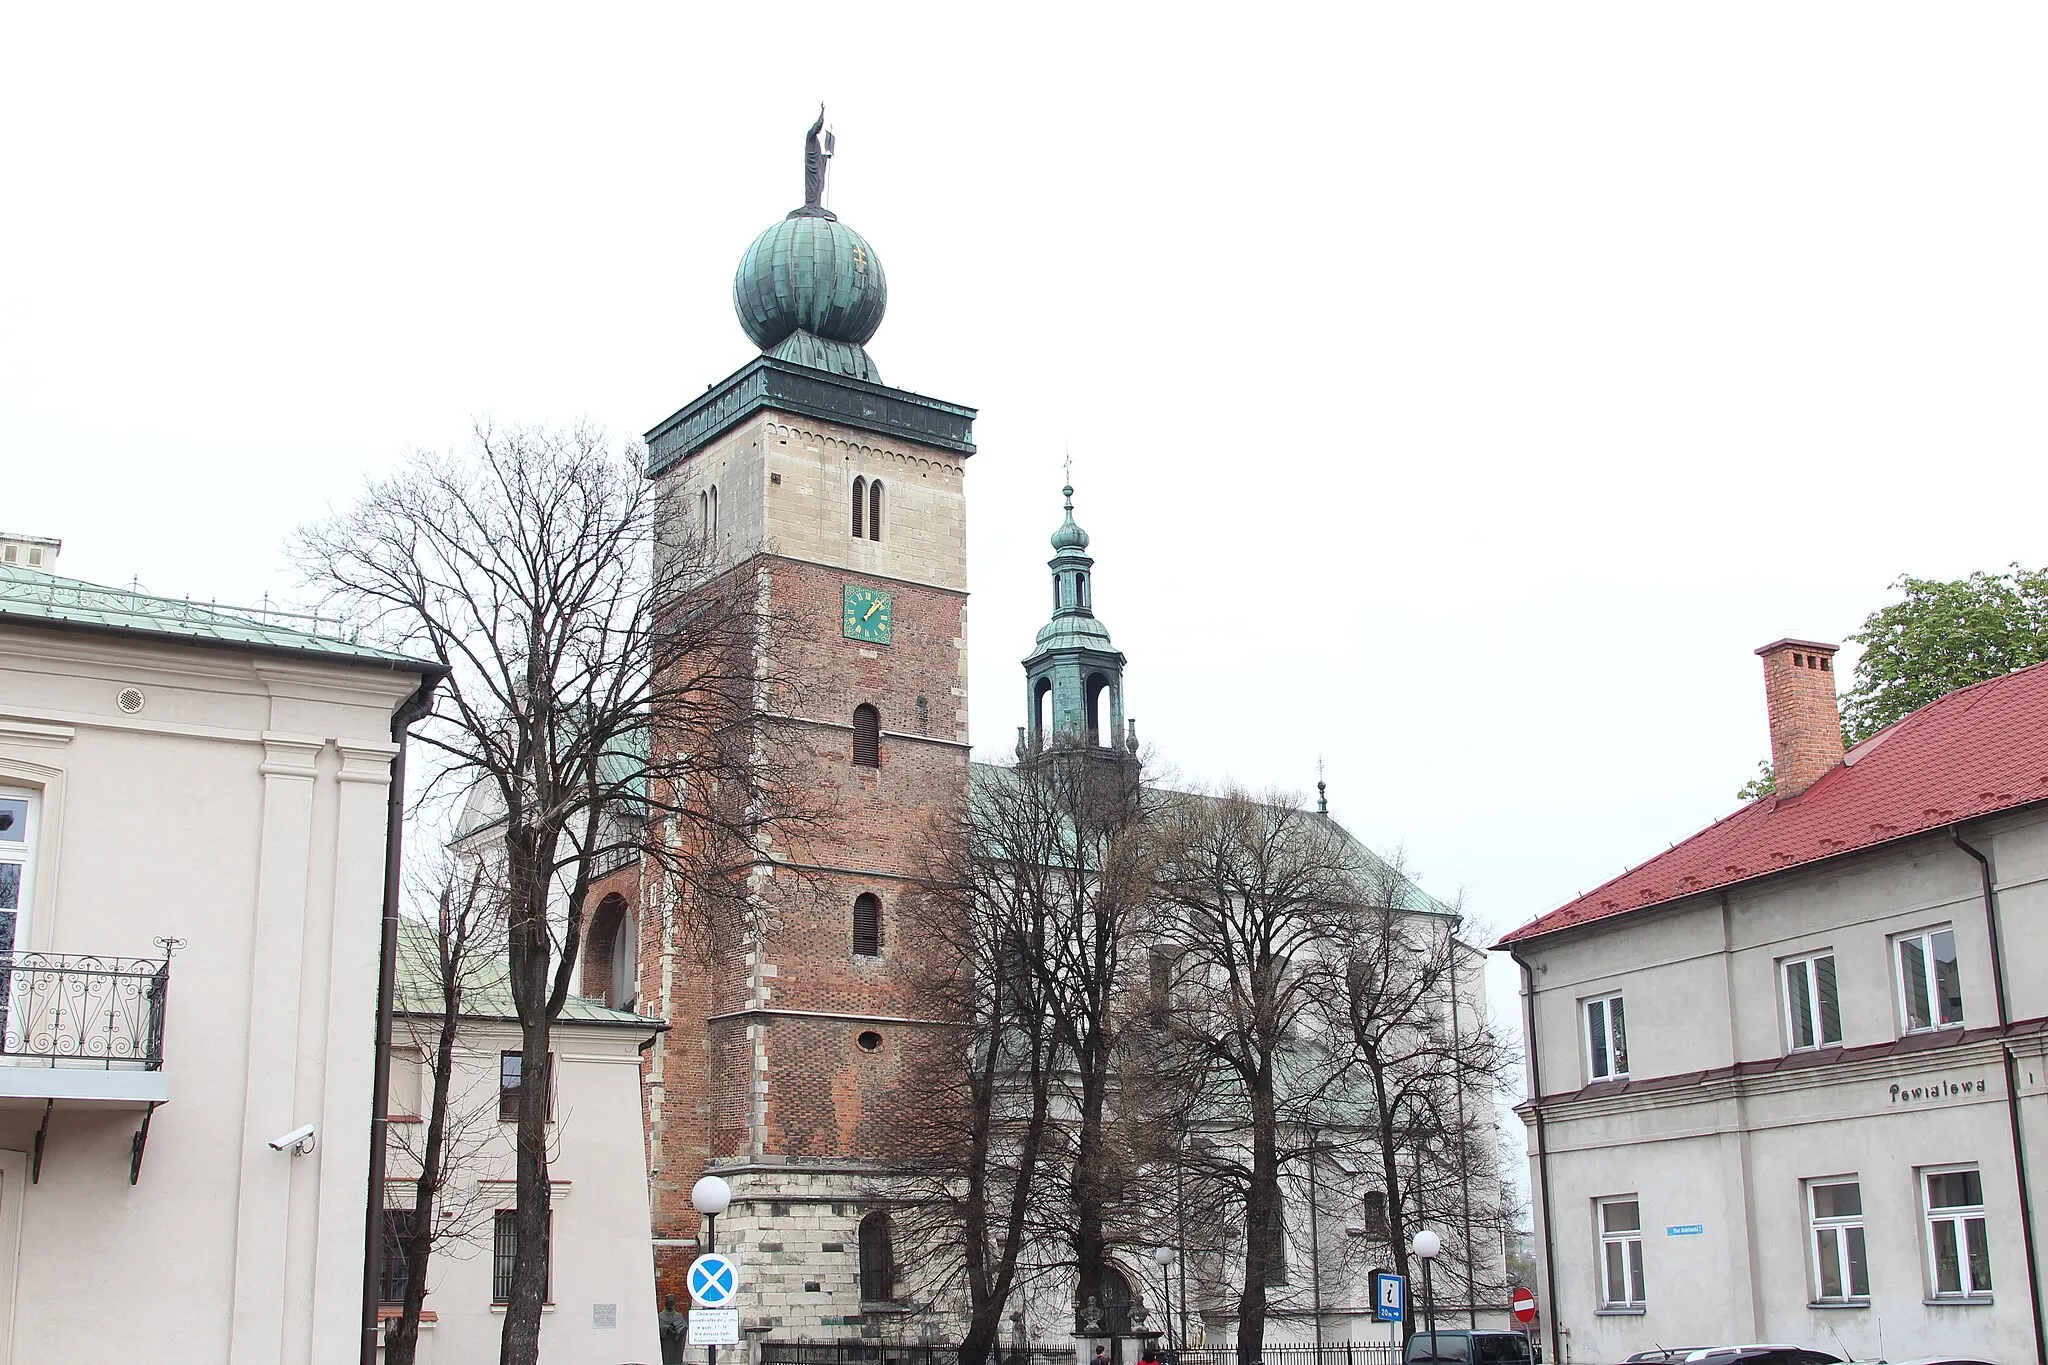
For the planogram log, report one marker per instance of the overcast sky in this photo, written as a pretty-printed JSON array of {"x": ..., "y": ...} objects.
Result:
[{"x": 1458, "y": 393}]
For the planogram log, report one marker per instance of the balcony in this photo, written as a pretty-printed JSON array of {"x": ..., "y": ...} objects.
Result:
[{"x": 83, "y": 1028}]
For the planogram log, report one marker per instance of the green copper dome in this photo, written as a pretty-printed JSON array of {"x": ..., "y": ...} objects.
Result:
[
  {"x": 810, "y": 273},
  {"x": 1069, "y": 536}
]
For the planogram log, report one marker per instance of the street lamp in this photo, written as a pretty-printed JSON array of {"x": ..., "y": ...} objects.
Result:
[
  {"x": 1426, "y": 1245},
  {"x": 1163, "y": 1257},
  {"x": 711, "y": 1196}
]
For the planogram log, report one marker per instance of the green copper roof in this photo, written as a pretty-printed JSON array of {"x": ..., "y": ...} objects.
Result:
[
  {"x": 486, "y": 990},
  {"x": 1069, "y": 536},
  {"x": 810, "y": 274},
  {"x": 30, "y": 597}
]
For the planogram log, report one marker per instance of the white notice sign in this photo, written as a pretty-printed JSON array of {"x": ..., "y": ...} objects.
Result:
[{"x": 714, "y": 1326}]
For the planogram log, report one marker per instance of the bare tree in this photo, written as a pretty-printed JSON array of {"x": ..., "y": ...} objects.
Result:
[
  {"x": 971, "y": 1189},
  {"x": 1255, "y": 900},
  {"x": 439, "y": 966},
  {"x": 1430, "y": 1067},
  {"x": 590, "y": 669}
]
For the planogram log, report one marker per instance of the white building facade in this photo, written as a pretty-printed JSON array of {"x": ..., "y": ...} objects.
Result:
[
  {"x": 1790, "y": 1074},
  {"x": 193, "y": 809},
  {"x": 601, "y": 1306}
]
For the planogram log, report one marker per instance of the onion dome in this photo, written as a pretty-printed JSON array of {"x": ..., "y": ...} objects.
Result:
[
  {"x": 1069, "y": 536},
  {"x": 811, "y": 290}
]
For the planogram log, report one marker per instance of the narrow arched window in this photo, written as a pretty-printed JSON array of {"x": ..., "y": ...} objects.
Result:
[
  {"x": 867, "y": 737},
  {"x": 877, "y": 1260},
  {"x": 1081, "y": 585},
  {"x": 704, "y": 512},
  {"x": 713, "y": 522},
  {"x": 860, "y": 502},
  {"x": 867, "y": 925},
  {"x": 625, "y": 972},
  {"x": 875, "y": 510},
  {"x": 1041, "y": 709}
]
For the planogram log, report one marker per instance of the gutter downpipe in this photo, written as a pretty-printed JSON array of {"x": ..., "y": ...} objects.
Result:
[
  {"x": 2012, "y": 1094},
  {"x": 415, "y": 707},
  {"x": 1543, "y": 1154}
]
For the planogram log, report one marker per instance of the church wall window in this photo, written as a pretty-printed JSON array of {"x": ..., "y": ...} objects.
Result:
[
  {"x": 875, "y": 510},
  {"x": 1081, "y": 589},
  {"x": 712, "y": 524},
  {"x": 877, "y": 1259},
  {"x": 1041, "y": 707},
  {"x": 867, "y": 925},
  {"x": 867, "y": 737},
  {"x": 860, "y": 503}
]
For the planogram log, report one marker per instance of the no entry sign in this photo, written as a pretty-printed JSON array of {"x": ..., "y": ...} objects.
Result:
[{"x": 1523, "y": 1304}]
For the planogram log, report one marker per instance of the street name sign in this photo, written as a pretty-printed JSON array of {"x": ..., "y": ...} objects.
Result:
[
  {"x": 714, "y": 1281},
  {"x": 1389, "y": 1298},
  {"x": 714, "y": 1326}
]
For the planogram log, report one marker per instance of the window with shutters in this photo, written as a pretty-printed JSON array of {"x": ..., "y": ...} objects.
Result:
[
  {"x": 867, "y": 925},
  {"x": 867, "y": 737},
  {"x": 860, "y": 503},
  {"x": 875, "y": 510}
]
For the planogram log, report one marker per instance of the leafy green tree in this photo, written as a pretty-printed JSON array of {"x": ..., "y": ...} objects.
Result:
[
  {"x": 1763, "y": 784},
  {"x": 1941, "y": 637}
]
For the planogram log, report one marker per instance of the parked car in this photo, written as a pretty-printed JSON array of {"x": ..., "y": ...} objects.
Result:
[
  {"x": 1660, "y": 1355},
  {"x": 1462, "y": 1346},
  {"x": 1765, "y": 1353},
  {"x": 1940, "y": 1360}
]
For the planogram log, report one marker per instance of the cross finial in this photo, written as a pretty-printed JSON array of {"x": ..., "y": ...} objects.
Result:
[{"x": 1069, "y": 466}]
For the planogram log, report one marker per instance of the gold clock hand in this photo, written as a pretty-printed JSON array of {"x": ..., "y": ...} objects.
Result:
[{"x": 873, "y": 607}]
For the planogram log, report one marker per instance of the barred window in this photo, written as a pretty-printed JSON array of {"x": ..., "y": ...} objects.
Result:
[
  {"x": 877, "y": 1260},
  {"x": 505, "y": 1251},
  {"x": 867, "y": 925},
  {"x": 395, "y": 1272}
]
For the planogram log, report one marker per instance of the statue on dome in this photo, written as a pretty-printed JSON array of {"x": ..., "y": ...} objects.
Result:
[{"x": 818, "y": 145}]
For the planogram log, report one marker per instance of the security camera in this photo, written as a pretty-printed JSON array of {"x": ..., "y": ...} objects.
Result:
[{"x": 299, "y": 1139}]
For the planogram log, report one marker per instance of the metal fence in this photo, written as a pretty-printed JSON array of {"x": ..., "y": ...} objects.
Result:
[
  {"x": 66, "y": 1009},
  {"x": 876, "y": 1353}
]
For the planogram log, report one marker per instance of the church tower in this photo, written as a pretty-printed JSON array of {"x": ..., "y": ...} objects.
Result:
[
  {"x": 1074, "y": 679},
  {"x": 842, "y": 501}
]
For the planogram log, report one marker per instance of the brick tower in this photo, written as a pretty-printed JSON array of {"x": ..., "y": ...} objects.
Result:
[{"x": 844, "y": 501}]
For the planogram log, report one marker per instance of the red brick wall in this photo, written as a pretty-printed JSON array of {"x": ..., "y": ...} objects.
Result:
[
  {"x": 1806, "y": 718},
  {"x": 824, "y": 1095}
]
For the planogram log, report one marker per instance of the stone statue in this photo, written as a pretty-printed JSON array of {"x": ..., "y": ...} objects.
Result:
[
  {"x": 675, "y": 1330},
  {"x": 817, "y": 159},
  {"x": 1091, "y": 1317}
]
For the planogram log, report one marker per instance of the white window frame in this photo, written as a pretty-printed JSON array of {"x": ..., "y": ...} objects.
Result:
[
  {"x": 1929, "y": 978},
  {"x": 1631, "y": 1266},
  {"x": 1808, "y": 965},
  {"x": 23, "y": 855},
  {"x": 1959, "y": 1217},
  {"x": 1606, "y": 1005},
  {"x": 1840, "y": 1226}
]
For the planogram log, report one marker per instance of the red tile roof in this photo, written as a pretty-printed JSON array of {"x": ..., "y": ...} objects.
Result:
[{"x": 1973, "y": 752}]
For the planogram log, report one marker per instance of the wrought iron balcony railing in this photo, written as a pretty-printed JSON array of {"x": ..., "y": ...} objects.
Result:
[{"x": 66, "y": 1010}]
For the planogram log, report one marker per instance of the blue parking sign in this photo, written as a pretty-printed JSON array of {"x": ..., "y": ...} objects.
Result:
[{"x": 1389, "y": 1298}]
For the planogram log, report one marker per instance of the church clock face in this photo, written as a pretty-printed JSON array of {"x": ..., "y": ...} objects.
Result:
[{"x": 867, "y": 615}]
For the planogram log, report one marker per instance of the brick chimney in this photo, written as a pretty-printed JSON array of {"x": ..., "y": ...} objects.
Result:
[{"x": 1806, "y": 720}]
